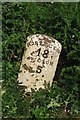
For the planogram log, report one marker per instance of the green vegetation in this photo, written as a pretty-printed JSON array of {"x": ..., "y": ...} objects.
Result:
[{"x": 61, "y": 21}]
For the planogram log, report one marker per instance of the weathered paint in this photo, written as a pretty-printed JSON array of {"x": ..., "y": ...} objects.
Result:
[{"x": 39, "y": 61}]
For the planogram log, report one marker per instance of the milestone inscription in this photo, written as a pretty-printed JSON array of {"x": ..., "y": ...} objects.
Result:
[{"x": 39, "y": 61}]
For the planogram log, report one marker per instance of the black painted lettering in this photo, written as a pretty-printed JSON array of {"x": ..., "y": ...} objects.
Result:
[
  {"x": 39, "y": 69},
  {"x": 45, "y": 54}
]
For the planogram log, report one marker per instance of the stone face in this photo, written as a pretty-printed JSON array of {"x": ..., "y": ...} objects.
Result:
[{"x": 39, "y": 61}]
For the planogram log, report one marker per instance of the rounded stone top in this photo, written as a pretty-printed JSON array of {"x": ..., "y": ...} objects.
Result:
[
  {"x": 46, "y": 39},
  {"x": 39, "y": 62}
]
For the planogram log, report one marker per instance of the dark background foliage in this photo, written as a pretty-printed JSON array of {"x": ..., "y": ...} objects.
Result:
[{"x": 61, "y": 21}]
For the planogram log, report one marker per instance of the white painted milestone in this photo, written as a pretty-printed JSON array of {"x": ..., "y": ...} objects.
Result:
[{"x": 39, "y": 62}]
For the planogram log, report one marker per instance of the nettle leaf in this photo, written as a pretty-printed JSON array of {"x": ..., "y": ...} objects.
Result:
[
  {"x": 38, "y": 112},
  {"x": 2, "y": 92},
  {"x": 53, "y": 103}
]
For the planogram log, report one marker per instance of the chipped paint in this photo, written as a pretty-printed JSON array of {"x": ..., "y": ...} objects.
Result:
[{"x": 39, "y": 61}]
